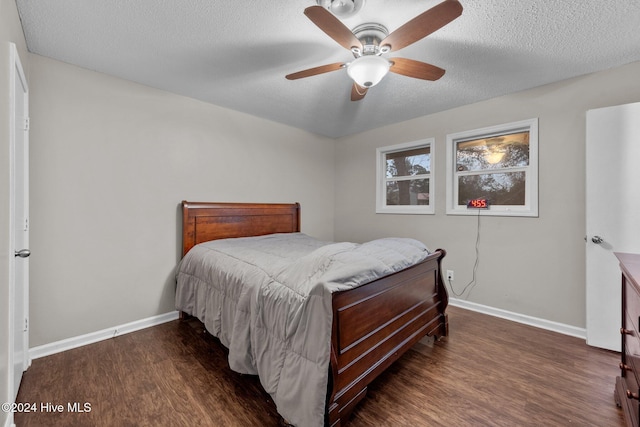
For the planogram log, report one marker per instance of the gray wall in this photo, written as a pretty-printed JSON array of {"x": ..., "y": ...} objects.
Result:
[
  {"x": 110, "y": 162},
  {"x": 531, "y": 266}
]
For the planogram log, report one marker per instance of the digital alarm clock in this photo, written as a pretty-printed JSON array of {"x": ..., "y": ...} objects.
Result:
[{"x": 478, "y": 204}]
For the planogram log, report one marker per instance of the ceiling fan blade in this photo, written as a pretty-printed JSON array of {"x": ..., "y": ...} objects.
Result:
[
  {"x": 358, "y": 92},
  {"x": 315, "y": 71},
  {"x": 415, "y": 69},
  {"x": 423, "y": 24},
  {"x": 331, "y": 25}
]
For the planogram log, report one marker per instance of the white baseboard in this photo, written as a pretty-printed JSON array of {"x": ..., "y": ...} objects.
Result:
[
  {"x": 93, "y": 337},
  {"x": 521, "y": 318}
]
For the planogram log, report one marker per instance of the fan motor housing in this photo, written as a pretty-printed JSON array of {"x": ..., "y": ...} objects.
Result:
[{"x": 370, "y": 35}]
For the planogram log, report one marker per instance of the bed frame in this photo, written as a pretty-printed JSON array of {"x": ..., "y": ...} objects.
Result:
[{"x": 373, "y": 324}]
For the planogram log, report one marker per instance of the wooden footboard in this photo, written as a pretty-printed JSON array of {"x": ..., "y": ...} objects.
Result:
[{"x": 374, "y": 324}]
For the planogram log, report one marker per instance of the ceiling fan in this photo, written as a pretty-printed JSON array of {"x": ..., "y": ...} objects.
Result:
[{"x": 368, "y": 42}]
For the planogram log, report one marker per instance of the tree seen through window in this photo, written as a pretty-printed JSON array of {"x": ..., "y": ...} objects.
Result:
[{"x": 407, "y": 174}]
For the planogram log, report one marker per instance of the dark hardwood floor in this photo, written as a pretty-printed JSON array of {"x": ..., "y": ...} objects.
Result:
[{"x": 488, "y": 372}]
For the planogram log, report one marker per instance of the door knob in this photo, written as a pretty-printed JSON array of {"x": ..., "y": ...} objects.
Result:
[
  {"x": 597, "y": 240},
  {"x": 24, "y": 253}
]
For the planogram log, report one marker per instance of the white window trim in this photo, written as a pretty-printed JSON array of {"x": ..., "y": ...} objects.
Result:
[
  {"x": 530, "y": 208},
  {"x": 381, "y": 172}
]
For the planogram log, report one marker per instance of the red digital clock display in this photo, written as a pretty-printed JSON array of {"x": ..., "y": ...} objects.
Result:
[{"x": 478, "y": 204}]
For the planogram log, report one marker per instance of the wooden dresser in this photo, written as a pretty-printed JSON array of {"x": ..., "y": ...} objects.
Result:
[{"x": 627, "y": 392}]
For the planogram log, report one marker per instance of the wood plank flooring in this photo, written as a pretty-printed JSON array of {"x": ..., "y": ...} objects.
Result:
[{"x": 488, "y": 372}]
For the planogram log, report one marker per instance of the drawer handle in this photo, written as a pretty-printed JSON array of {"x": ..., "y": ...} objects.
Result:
[
  {"x": 632, "y": 395},
  {"x": 625, "y": 367},
  {"x": 624, "y": 331}
]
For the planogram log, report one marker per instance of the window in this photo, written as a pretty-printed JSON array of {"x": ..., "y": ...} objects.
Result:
[
  {"x": 499, "y": 164},
  {"x": 405, "y": 178}
]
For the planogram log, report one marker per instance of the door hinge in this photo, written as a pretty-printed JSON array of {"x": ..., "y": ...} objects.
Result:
[
  {"x": 26, "y": 324},
  {"x": 26, "y": 123}
]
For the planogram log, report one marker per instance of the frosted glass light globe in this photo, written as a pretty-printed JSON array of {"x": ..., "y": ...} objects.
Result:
[{"x": 368, "y": 70}]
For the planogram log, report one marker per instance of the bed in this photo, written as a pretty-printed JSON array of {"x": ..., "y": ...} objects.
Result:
[{"x": 370, "y": 325}]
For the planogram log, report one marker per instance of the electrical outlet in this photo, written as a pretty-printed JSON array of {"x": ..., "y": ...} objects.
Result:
[{"x": 449, "y": 274}]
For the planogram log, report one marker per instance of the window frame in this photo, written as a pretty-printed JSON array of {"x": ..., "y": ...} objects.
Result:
[
  {"x": 530, "y": 207},
  {"x": 381, "y": 179}
]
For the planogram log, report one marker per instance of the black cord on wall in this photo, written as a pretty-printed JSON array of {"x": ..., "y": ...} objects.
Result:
[{"x": 469, "y": 287}]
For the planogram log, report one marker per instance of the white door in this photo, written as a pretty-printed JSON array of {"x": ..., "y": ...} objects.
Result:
[
  {"x": 19, "y": 200},
  {"x": 612, "y": 214}
]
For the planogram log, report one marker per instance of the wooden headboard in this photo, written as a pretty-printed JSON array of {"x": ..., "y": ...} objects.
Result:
[{"x": 203, "y": 221}]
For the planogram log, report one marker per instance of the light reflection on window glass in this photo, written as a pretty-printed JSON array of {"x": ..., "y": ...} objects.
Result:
[{"x": 504, "y": 151}]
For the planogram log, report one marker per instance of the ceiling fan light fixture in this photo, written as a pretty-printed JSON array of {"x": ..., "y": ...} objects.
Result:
[
  {"x": 368, "y": 70},
  {"x": 342, "y": 8}
]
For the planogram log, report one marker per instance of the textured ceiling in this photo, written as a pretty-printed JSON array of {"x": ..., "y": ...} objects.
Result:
[{"x": 235, "y": 54}]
